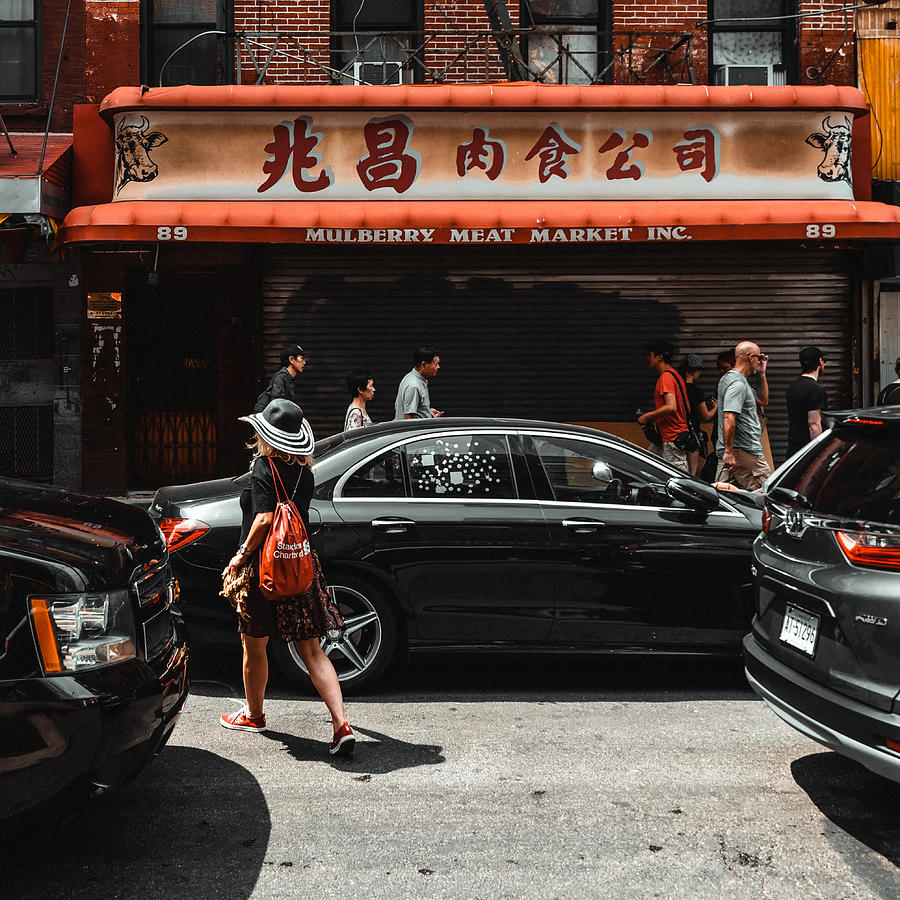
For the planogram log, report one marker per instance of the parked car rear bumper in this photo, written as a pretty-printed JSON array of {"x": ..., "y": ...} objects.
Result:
[
  {"x": 97, "y": 728},
  {"x": 842, "y": 724}
]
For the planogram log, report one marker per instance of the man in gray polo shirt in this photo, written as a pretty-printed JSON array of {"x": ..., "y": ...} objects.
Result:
[
  {"x": 413, "y": 401},
  {"x": 742, "y": 458}
]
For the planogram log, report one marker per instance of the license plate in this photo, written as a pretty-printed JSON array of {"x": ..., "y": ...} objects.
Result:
[{"x": 800, "y": 630}]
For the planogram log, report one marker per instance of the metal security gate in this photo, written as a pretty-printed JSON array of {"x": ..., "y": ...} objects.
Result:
[
  {"x": 548, "y": 332},
  {"x": 26, "y": 383}
]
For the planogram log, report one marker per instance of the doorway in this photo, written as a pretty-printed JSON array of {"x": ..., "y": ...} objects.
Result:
[{"x": 172, "y": 381}]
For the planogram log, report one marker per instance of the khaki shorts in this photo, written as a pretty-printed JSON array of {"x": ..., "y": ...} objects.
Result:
[
  {"x": 671, "y": 454},
  {"x": 749, "y": 471}
]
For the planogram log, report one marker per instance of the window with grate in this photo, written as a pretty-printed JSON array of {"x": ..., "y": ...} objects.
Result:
[
  {"x": 27, "y": 316},
  {"x": 752, "y": 41},
  {"x": 569, "y": 41},
  {"x": 178, "y": 47},
  {"x": 20, "y": 55},
  {"x": 26, "y": 442},
  {"x": 375, "y": 42}
]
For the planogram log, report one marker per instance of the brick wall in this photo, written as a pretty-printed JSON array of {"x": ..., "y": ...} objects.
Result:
[
  {"x": 112, "y": 46},
  {"x": 70, "y": 85},
  {"x": 644, "y": 47}
]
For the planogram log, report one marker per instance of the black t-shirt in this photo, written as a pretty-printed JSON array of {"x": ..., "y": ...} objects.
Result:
[
  {"x": 281, "y": 387},
  {"x": 890, "y": 395},
  {"x": 695, "y": 398},
  {"x": 259, "y": 497},
  {"x": 803, "y": 395}
]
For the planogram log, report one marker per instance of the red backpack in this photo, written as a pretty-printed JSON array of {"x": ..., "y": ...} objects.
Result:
[{"x": 285, "y": 563}]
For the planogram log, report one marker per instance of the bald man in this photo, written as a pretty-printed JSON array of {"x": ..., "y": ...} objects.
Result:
[{"x": 740, "y": 450}]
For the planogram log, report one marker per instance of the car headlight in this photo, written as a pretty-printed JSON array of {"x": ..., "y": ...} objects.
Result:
[{"x": 74, "y": 632}]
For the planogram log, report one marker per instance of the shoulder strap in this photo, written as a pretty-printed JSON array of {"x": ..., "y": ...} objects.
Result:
[
  {"x": 276, "y": 479},
  {"x": 277, "y": 482},
  {"x": 683, "y": 389}
]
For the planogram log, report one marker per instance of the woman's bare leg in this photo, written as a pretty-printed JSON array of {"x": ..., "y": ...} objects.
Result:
[
  {"x": 256, "y": 673},
  {"x": 323, "y": 677}
]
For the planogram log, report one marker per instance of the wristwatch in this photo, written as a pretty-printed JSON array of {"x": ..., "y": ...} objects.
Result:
[{"x": 243, "y": 550}]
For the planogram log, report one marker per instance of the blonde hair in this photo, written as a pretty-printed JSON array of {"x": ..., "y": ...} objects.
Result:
[{"x": 261, "y": 447}]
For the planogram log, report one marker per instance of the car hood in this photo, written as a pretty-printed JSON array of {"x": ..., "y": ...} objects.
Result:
[{"x": 100, "y": 539}]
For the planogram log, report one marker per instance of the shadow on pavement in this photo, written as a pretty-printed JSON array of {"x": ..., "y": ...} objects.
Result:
[
  {"x": 565, "y": 678},
  {"x": 376, "y": 757},
  {"x": 858, "y": 801},
  {"x": 192, "y": 825},
  {"x": 509, "y": 676}
]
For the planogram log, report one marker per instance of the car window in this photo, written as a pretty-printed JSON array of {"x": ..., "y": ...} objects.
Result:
[
  {"x": 585, "y": 472},
  {"x": 382, "y": 477},
  {"x": 854, "y": 477},
  {"x": 461, "y": 465}
]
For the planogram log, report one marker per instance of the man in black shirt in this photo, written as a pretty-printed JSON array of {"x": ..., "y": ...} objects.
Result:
[
  {"x": 281, "y": 387},
  {"x": 805, "y": 400}
]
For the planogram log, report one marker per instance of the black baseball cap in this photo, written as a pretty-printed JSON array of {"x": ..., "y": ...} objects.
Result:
[
  {"x": 289, "y": 351},
  {"x": 811, "y": 355}
]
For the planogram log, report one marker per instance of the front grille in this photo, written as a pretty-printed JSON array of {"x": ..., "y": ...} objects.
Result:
[
  {"x": 155, "y": 586},
  {"x": 159, "y": 632}
]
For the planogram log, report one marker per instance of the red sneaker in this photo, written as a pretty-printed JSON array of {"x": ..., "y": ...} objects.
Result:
[
  {"x": 240, "y": 721},
  {"x": 343, "y": 741}
]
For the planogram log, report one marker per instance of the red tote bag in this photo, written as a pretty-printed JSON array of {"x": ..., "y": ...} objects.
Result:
[{"x": 285, "y": 564}]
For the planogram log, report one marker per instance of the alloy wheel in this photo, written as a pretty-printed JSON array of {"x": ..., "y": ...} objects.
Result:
[{"x": 354, "y": 648}]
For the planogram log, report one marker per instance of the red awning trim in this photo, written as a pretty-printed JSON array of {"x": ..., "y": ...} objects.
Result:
[
  {"x": 516, "y": 95},
  {"x": 829, "y": 222}
]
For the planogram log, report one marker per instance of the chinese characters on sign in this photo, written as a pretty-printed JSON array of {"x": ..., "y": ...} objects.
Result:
[{"x": 390, "y": 162}]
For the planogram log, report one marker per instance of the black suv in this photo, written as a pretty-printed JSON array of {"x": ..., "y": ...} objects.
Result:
[
  {"x": 824, "y": 652},
  {"x": 93, "y": 661}
]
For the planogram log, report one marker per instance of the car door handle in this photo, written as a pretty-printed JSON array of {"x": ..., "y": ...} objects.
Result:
[
  {"x": 583, "y": 526},
  {"x": 391, "y": 525}
]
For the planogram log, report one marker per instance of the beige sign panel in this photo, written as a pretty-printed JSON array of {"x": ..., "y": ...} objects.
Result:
[{"x": 361, "y": 155}]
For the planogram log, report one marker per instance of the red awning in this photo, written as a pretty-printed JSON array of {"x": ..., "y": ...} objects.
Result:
[
  {"x": 395, "y": 222},
  {"x": 505, "y": 95}
]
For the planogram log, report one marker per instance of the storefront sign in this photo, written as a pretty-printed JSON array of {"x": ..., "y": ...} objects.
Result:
[{"x": 579, "y": 155}]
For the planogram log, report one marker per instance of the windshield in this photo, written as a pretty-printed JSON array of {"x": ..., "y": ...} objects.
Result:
[{"x": 853, "y": 477}]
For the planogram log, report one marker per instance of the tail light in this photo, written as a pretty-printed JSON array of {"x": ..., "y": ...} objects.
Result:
[
  {"x": 873, "y": 551},
  {"x": 181, "y": 532}
]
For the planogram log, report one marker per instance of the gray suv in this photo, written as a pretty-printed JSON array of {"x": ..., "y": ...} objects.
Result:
[{"x": 824, "y": 650}]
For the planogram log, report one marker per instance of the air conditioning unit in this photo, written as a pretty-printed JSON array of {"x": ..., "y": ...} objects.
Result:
[
  {"x": 389, "y": 71},
  {"x": 751, "y": 75}
]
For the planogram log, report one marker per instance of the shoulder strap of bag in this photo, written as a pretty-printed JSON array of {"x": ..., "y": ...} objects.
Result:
[
  {"x": 683, "y": 389},
  {"x": 276, "y": 479}
]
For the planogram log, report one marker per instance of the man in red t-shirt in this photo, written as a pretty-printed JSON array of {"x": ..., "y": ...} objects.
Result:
[{"x": 669, "y": 400}]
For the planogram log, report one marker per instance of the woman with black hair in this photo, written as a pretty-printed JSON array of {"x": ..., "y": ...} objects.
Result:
[{"x": 362, "y": 390}]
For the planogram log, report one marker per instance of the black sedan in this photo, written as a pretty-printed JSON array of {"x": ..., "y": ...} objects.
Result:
[
  {"x": 93, "y": 659},
  {"x": 472, "y": 534}
]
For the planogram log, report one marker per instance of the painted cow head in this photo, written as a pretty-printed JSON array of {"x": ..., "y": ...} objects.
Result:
[
  {"x": 834, "y": 141},
  {"x": 133, "y": 146}
]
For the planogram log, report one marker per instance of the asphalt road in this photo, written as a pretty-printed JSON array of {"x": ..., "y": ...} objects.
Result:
[{"x": 489, "y": 778}]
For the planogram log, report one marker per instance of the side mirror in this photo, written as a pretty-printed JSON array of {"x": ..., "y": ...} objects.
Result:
[
  {"x": 696, "y": 495},
  {"x": 786, "y": 497},
  {"x": 601, "y": 472}
]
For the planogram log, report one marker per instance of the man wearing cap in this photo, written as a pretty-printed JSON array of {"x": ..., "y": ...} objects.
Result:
[
  {"x": 742, "y": 460},
  {"x": 806, "y": 399},
  {"x": 670, "y": 402},
  {"x": 281, "y": 387},
  {"x": 413, "y": 399}
]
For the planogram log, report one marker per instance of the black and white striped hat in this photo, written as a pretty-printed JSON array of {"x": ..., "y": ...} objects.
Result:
[{"x": 283, "y": 425}]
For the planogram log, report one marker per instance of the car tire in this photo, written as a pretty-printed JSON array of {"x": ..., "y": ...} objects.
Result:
[{"x": 364, "y": 650}]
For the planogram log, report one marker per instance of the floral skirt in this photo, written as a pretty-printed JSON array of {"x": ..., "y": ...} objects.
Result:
[{"x": 298, "y": 618}]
